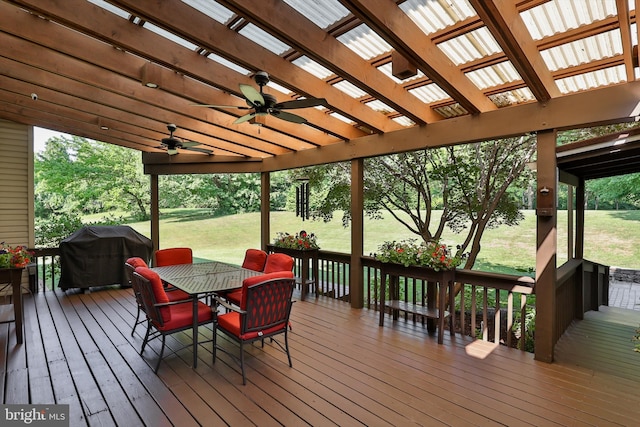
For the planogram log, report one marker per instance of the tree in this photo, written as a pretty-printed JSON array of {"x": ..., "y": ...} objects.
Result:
[
  {"x": 470, "y": 183},
  {"x": 79, "y": 175}
]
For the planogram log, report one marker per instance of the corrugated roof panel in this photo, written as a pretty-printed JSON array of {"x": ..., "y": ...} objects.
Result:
[
  {"x": 170, "y": 36},
  {"x": 264, "y": 39},
  {"x": 470, "y": 46},
  {"x": 454, "y": 110},
  {"x": 432, "y": 16},
  {"x": 111, "y": 8},
  {"x": 350, "y": 89},
  {"x": 494, "y": 75},
  {"x": 341, "y": 117},
  {"x": 278, "y": 88},
  {"x": 380, "y": 106},
  {"x": 312, "y": 67},
  {"x": 592, "y": 80},
  {"x": 365, "y": 42},
  {"x": 212, "y": 9},
  {"x": 323, "y": 13},
  {"x": 404, "y": 121},
  {"x": 429, "y": 93},
  {"x": 512, "y": 97},
  {"x": 558, "y": 16},
  {"x": 386, "y": 69},
  {"x": 582, "y": 51},
  {"x": 235, "y": 67}
]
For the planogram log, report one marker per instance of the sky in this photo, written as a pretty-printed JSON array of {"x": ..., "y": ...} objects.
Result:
[{"x": 41, "y": 136}]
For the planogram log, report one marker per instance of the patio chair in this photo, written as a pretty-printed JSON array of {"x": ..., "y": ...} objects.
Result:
[
  {"x": 254, "y": 259},
  {"x": 173, "y": 294},
  {"x": 235, "y": 296},
  {"x": 172, "y": 256},
  {"x": 264, "y": 313},
  {"x": 166, "y": 317},
  {"x": 278, "y": 262}
]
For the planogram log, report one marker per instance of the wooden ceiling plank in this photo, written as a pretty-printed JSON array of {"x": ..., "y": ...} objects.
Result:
[
  {"x": 506, "y": 25},
  {"x": 397, "y": 29},
  {"x": 297, "y": 31},
  {"x": 183, "y": 20},
  {"x": 81, "y": 16},
  {"x": 96, "y": 77}
]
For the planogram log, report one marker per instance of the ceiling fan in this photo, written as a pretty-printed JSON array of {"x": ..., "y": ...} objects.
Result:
[
  {"x": 263, "y": 103},
  {"x": 172, "y": 143}
]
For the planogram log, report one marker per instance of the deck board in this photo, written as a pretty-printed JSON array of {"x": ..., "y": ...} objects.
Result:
[{"x": 346, "y": 371}]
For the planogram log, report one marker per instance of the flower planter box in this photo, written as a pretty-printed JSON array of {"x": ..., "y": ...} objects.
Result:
[
  {"x": 437, "y": 284},
  {"x": 309, "y": 270}
]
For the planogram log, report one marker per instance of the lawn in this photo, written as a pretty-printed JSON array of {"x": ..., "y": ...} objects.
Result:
[{"x": 611, "y": 238}]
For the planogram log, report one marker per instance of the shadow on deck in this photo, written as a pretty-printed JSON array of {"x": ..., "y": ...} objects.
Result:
[{"x": 346, "y": 371}]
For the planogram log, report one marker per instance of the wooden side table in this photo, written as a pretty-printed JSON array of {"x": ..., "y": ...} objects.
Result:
[
  {"x": 437, "y": 284},
  {"x": 13, "y": 276},
  {"x": 309, "y": 258}
]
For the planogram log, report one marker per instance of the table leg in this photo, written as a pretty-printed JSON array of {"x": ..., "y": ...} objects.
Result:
[{"x": 195, "y": 331}]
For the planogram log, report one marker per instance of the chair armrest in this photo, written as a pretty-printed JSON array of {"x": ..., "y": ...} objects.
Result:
[{"x": 225, "y": 304}]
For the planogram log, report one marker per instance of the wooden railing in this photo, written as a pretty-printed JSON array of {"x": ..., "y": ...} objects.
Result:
[
  {"x": 44, "y": 272},
  {"x": 581, "y": 286},
  {"x": 489, "y": 306}
]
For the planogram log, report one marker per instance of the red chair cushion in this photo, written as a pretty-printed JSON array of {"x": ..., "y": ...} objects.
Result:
[
  {"x": 136, "y": 262},
  {"x": 249, "y": 281},
  {"x": 182, "y": 316},
  {"x": 158, "y": 290},
  {"x": 278, "y": 262},
  {"x": 254, "y": 259},
  {"x": 175, "y": 294},
  {"x": 231, "y": 322},
  {"x": 234, "y": 297},
  {"x": 172, "y": 256}
]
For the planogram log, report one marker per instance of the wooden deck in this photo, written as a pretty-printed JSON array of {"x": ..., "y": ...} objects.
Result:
[{"x": 346, "y": 371}]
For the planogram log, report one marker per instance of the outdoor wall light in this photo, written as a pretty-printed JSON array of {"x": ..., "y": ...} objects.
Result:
[{"x": 544, "y": 191}]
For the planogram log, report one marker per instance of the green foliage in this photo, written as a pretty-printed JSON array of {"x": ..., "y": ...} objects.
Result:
[
  {"x": 637, "y": 338},
  {"x": 425, "y": 254},
  {"x": 52, "y": 229}
]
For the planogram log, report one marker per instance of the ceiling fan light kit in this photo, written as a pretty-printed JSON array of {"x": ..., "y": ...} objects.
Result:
[{"x": 264, "y": 104}]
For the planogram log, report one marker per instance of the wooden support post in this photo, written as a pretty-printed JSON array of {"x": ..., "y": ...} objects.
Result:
[
  {"x": 356, "y": 288},
  {"x": 546, "y": 246},
  {"x": 265, "y": 209},
  {"x": 155, "y": 212}
]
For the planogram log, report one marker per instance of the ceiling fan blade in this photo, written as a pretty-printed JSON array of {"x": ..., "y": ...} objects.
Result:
[
  {"x": 300, "y": 103},
  {"x": 252, "y": 95},
  {"x": 240, "y": 107},
  {"x": 201, "y": 150},
  {"x": 244, "y": 118},
  {"x": 294, "y": 118},
  {"x": 189, "y": 144}
]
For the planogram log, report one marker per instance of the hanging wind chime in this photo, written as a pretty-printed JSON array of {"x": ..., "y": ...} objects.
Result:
[{"x": 302, "y": 198}]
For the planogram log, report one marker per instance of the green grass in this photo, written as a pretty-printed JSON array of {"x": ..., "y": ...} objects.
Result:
[{"x": 611, "y": 238}]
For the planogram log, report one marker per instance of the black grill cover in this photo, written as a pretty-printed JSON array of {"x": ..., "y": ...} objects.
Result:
[{"x": 95, "y": 255}]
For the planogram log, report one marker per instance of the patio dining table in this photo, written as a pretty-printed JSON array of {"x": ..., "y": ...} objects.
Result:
[{"x": 200, "y": 280}]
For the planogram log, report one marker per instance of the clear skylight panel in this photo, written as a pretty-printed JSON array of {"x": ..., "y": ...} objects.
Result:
[
  {"x": 232, "y": 65},
  {"x": 379, "y": 106},
  {"x": 365, "y": 42},
  {"x": 341, "y": 117},
  {"x": 470, "y": 46},
  {"x": 170, "y": 36},
  {"x": 323, "y": 13},
  {"x": 404, "y": 121},
  {"x": 589, "y": 49},
  {"x": 431, "y": 16},
  {"x": 559, "y": 16},
  {"x": 111, "y": 8},
  {"x": 350, "y": 89},
  {"x": 312, "y": 67},
  {"x": 264, "y": 39},
  {"x": 592, "y": 80},
  {"x": 429, "y": 94},
  {"x": 212, "y": 9},
  {"x": 494, "y": 75}
]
